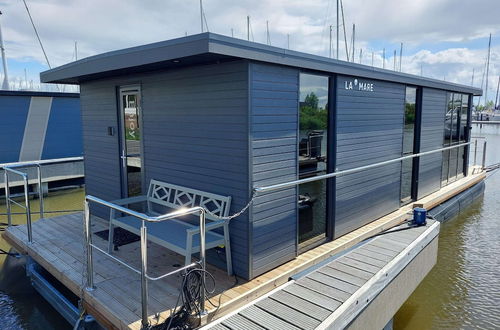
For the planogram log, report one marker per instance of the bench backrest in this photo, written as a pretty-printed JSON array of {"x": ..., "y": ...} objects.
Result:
[{"x": 176, "y": 197}]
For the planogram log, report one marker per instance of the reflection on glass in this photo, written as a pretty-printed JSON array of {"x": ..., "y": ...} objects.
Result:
[
  {"x": 408, "y": 143},
  {"x": 131, "y": 143},
  {"x": 454, "y": 133},
  {"x": 313, "y": 137}
]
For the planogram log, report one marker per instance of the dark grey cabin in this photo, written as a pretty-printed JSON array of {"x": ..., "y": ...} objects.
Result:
[{"x": 225, "y": 115}]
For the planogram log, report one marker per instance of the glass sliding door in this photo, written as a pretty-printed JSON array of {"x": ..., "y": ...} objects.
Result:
[
  {"x": 131, "y": 151},
  {"x": 447, "y": 139},
  {"x": 312, "y": 157},
  {"x": 455, "y": 127},
  {"x": 462, "y": 138},
  {"x": 408, "y": 144}
]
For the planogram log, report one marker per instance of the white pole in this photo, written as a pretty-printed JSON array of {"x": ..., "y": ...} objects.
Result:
[
  {"x": 201, "y": 15},
  {"x": 487, "y": 73},
  {"x": 394, "y": 60},
  {"x": 330, "y": 53},
  {"x": 76, "y": 51},
  {"x": 288, "y": 41},
  {"x": 248, "y": 28},
  {"x": 383, "y": 59},
  {"x": 400, "y": 57},
  {"x": 338, "y": 24},
  {"x": 353, "y": 40},
  {"x": 268, "y": 35},
  {"x": 5, "y": 84}
]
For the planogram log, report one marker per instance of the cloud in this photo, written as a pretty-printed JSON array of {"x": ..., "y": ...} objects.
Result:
[{"x": 100, "y": 26}]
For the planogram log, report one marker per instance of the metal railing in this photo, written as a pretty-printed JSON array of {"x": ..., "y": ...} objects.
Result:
[
  {"x": 476, "y": 139},
  {"x": 143, "y": 244},
  {"x": 353, "y": 170},
  {"x": 11, "y": 168},
  {"x": 26, "y": 205}
]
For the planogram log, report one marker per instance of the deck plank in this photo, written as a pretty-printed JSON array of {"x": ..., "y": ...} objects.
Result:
[
  {"x": 284, "y": 312},
  {"x": 302, "y": 305},
  {"x": 358, "y": 281},
  {"x": 313, "y": 297},
  {"x": 266, "y": 320}
]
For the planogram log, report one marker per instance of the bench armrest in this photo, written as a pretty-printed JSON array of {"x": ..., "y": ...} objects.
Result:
[
  {"x": 208, "y": 226},
  {"x": 130, "y": 200},
  {"x": 126, "y": 201}
]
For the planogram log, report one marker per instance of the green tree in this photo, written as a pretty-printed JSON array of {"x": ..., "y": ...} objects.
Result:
[
  {"x": 311, "y": 100},
  {"x": 311, "y": 116}
]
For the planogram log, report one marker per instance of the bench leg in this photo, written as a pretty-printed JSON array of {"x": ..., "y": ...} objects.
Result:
[
  {"x": 189, "y": 249},
  {"x": 227, "y": 245},
  {"x": 111, "y": 236}
]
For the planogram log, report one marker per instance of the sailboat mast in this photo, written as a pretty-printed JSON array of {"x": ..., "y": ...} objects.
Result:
[
  {"x": 5, "y": 84},
  {"x": 400, "y": 57},
  {"x": 487, "y": 73},
  {"x": 353, "y": 41},
  {"x": 338, "y": 25},
  {"x": 201, "y": 15},
  {"x": 496, "y": 97},
  {"x": 330, "y": 53}
]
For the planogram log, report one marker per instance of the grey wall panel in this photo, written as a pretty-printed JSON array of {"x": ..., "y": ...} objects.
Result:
[
  {"x": 195, "y": 132},
  {"x": 102, "y": 165},
  {"x": 196, "y": 135},
  {"x": 369, "y": 130},
  {"x": 433, "y": 112},
  {"x": 274, "y": 114}
]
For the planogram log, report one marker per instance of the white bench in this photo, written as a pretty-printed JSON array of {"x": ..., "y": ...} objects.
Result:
[{"x": 178, "y": 235}]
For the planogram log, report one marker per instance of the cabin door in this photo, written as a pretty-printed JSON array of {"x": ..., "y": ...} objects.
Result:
[{"x": 131, "y": 141}]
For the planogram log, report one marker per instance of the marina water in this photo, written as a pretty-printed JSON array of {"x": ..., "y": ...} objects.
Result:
[{"x": 462, "y": 290}]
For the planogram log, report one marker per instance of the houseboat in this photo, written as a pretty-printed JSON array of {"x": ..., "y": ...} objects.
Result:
[
  {"x": 38, "y": 127},
  {"x": 296, "y": 162}
]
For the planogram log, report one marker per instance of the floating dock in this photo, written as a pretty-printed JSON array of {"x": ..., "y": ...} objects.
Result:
[
  {"x": 335, "y": 293},
  {"x": 58, "y": 248}
]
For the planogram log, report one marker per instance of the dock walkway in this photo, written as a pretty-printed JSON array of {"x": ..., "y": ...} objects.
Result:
[
  {"x": 58, "y": 248},
  {"x": 334, "y": 293}
]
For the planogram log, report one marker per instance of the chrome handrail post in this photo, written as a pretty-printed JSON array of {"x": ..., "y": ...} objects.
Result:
[
  {"x": 40, "y": 189},
  {"x": 28, "y": 209},
  {"x": 475, "y": 151},
  {"x": 7, "y": 196},
  {"x": 144, "y": 268},
  {"x": 484, "y": 155},
  {"x": 202, "y": 260},
  {"x": 88, "y": 245}
]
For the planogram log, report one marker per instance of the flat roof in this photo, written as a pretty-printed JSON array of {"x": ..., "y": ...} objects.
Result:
[
  {"x": 5, "y": 92},
  {"x": 210, "y": 47}
]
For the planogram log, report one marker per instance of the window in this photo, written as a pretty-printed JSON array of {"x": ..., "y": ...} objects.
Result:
[
  {"x": 313, "y": 152},
  {"x": 408, "y": 144},
  {"x": 455, "y": 126}
]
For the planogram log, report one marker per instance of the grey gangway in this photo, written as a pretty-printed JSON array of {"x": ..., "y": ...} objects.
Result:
[{"x": 333, "y": 293}]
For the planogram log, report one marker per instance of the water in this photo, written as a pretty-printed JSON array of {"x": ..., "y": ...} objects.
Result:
[
  {"x": 463, "y": 290},
  {"x": 21, "y": 307}
]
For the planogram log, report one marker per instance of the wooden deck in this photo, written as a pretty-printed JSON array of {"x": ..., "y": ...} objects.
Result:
[
  {"x": 58, "y": 247},
  {"x": 336, "y": 292}
]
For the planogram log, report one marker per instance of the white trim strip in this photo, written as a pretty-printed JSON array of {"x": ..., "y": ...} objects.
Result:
[{"x": 35, "y": 128}]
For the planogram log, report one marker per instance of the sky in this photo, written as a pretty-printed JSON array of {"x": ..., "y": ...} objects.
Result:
[{"x": 442, "y": 39}]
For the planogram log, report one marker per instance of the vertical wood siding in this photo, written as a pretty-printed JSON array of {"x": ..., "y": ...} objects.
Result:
[
  {"x": 369, "y": 130},
  {"x": 274, "y": 93},
  {"x": 195, "y": 133},
  {"x": 433, "y": 112}
]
